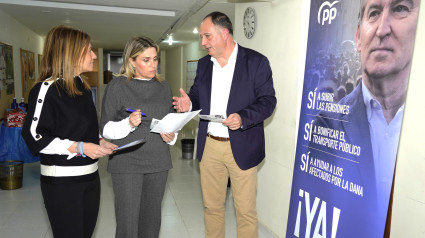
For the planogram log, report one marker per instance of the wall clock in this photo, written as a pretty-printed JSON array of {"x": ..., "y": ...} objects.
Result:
[{"x": 249, "y": 22}]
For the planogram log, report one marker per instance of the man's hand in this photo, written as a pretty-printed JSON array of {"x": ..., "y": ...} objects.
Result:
[
  {"x": 182, "y": 104},
  {"x": 234, "y": 121}
]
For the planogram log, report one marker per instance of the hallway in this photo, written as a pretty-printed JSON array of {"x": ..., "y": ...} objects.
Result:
[{"x": 22, "y": 213}]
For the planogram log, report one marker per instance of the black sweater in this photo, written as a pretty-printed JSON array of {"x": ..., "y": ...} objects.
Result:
[{"x": 63, "y": 117}]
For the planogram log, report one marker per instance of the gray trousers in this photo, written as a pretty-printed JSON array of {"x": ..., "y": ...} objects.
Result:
[{"x": 138, "y": 199}]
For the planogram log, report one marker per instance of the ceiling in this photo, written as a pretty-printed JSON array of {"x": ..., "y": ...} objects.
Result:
[{"x": 110, "y": 23}]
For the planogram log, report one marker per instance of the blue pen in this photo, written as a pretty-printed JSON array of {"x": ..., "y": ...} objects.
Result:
[{"x": 132, "y": 110}]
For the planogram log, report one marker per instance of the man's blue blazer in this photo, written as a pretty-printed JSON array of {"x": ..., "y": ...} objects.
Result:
[{"x": 252, "y": 96}]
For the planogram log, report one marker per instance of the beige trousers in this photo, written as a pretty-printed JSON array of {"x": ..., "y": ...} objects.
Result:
[{"x": 216, "y": 166}]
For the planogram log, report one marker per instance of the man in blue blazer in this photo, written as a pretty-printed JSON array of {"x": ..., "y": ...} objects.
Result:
[{"x": 237, "y": 83}]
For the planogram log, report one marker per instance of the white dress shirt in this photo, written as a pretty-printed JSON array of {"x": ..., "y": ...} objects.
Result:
[{"x": 220, "y": 89}]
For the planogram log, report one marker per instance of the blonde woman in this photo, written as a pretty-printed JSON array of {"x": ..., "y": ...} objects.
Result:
[
  {"x": 139, "y": 174},
  {"x": 62, "y": 126}
]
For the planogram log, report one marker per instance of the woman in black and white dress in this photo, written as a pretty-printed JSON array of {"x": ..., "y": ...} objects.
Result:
[{"x": 62, "y": 127}]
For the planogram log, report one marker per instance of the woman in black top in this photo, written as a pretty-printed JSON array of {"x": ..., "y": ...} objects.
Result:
[{"x": 62, "y": 126}]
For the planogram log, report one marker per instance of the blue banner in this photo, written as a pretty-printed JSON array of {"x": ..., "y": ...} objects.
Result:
[{"x": 355, "y": 83}]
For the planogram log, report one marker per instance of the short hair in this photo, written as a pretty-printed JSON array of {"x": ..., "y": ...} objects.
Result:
[
  {"x": 222, "y": 20},
  {"x": 63, "y": 52},
  {"x": 134, "y": 47}
]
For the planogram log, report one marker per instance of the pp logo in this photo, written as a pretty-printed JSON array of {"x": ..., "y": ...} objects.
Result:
[{"x": 328, "y": 13}]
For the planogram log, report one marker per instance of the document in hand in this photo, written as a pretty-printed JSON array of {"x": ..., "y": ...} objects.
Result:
[
  {"x": 136, "y": 142},
  {"x": 172, "y": 122},
  {"x": 212, "y": 118}
]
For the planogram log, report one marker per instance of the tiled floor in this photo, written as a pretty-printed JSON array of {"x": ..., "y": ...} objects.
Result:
[{"x": 22, "y": 213}]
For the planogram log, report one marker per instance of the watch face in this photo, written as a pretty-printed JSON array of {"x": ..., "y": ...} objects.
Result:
[{"x": 249, "y": 21}]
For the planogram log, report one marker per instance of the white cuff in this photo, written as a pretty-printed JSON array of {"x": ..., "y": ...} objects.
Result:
[
  {"x": 60, "y": 147},
  {"x": 118, "y": 129}
]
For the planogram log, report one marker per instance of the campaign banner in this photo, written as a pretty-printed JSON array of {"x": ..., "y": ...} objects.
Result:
[{"x": 355, "y": 83}]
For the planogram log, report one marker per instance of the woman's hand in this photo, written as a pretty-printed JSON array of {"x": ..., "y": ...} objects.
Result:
[
  {"x": 97, "y": 151},
  {"x": 168, "y": 137},
  {"x": 107, "y": 145},
  {"x": 135, "y": 118}
]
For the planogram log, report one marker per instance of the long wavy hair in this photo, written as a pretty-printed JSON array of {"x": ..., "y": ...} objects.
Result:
[
  {"x": 63, "y": 53},
  {"x": 134, "y": 47}
]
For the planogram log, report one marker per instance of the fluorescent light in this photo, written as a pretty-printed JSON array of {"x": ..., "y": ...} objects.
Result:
[
  {"x": 170, "y": 40},
  {"x": 195, "y": 31},
  {"x": 88, "y": 7}
]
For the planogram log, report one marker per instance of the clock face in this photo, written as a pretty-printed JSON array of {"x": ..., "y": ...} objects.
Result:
[{"x": 249, "y": 22}]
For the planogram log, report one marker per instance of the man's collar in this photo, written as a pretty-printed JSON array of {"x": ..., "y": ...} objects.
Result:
[
  {"x": 232, "y": 56},
  {"x": 371, "y": 103}
]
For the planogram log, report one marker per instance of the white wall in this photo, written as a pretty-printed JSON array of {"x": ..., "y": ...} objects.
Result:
[
  {"x": 174, "y": 68},
  {"x": 409, "y": 191},
  {"x": 162, "y": 64},
  {"x": 19, "y": 36},
  {"x": 102, "y": 86},
  {"x": 192, "y": 51},
  {"x": 278, "y": 38},
  {"x": 175, "y": 64}
]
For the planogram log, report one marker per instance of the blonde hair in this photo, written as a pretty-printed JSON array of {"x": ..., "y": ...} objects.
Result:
[
  {"x": 62, "y": 56},
  {"x": 134, "y": 47}
]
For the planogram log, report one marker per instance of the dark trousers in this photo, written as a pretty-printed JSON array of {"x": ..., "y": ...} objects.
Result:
[{"x": 72, "y": 208}]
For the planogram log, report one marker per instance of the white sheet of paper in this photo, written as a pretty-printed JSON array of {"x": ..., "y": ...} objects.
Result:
[
  {"x": 172, "y": 122},
  {"x": 212, "y": 118},
  {"x": 136, "y": 142}
]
